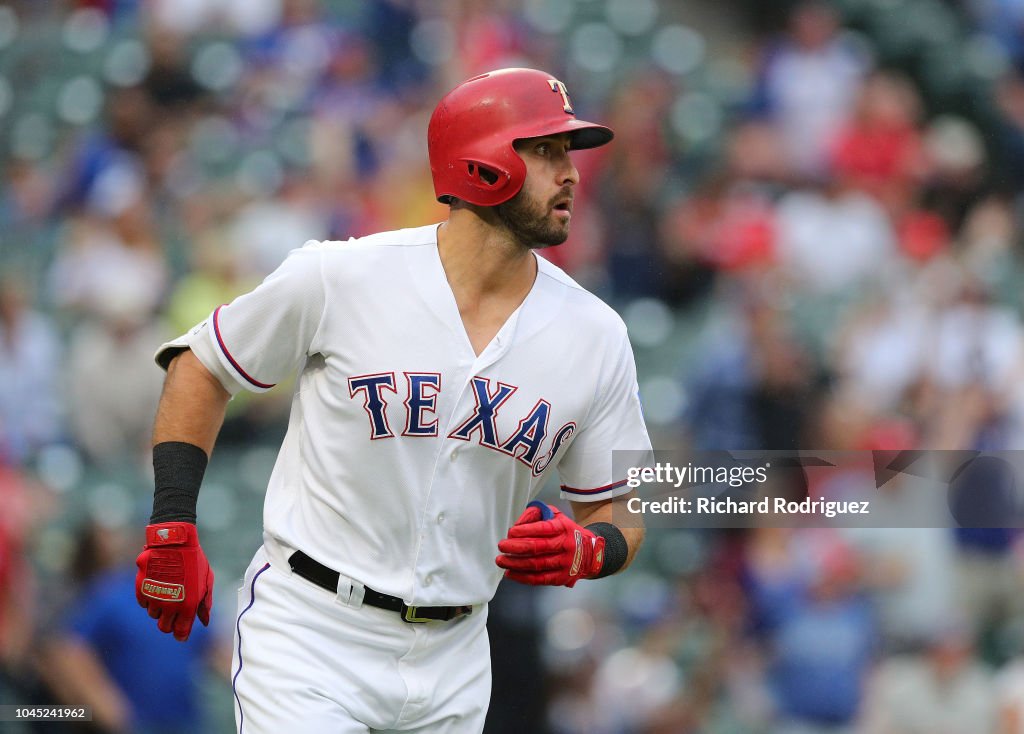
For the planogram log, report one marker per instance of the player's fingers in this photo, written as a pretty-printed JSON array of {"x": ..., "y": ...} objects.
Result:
[
  {"x": 154, "y": 610},
  {"x": 530, "y": 546},
  {"x": 541, "y": 529},
  {"x": 183, "y": 626},
  {"x": 206, "y": 605},
  {"x": 535, "y": 579},
  {"x": 546, "y": 511},
  {"x": 204, "y": 611},
  {"x": 530, "y": 563},
  {"x": 166, "y": 622},
  {"x": 522, "y": 578},
  {"x": 530, "y": 514}
]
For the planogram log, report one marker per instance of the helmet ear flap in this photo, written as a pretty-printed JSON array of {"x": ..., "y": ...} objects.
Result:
[{"x": 484, "y": 177}]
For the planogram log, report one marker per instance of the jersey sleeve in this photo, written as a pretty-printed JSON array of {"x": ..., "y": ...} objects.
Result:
[
  {"x": 588, "y": 471},
  {"x": 263, "y": 336}
]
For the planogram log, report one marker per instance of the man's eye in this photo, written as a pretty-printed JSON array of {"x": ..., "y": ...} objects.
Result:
[{"x": 543, "y": 149}]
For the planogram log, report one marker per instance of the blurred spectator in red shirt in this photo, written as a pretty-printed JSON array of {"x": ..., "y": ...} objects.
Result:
[
  {"x": 489, "y": 36},
  {"x": 881, "y": 146}
]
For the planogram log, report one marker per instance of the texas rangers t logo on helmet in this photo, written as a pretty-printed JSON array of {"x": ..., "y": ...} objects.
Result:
[{"x": 557, "y": 86}]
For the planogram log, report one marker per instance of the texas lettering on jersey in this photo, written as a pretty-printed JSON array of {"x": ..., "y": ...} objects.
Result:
[{"x": 421, "y": 391}]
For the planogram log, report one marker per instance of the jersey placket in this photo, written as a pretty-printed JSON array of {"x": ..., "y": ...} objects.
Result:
[{"x": 436, "y": 549}]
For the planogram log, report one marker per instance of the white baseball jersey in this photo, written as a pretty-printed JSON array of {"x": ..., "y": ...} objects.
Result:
[{"x": 407, "y": 455}]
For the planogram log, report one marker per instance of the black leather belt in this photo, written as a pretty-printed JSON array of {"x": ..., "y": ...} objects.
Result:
[{"x": 319, "y": 574}]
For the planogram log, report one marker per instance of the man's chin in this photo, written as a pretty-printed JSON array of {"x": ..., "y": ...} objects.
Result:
[
  {"x": 534, "y": 232},
  {"x": 554, "y": 238}
]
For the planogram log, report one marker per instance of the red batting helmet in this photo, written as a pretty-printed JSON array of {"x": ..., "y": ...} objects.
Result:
[{"x": 475, "y": 125}]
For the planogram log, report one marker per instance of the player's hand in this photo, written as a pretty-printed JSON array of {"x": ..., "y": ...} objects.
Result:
[
  {"x": 545, "y": 547},
  {"x": 174, "y": 581}
]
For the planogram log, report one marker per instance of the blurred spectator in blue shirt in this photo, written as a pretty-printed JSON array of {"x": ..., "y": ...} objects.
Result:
[
  {"x": 111, "y": 658},
  {"x": 755, "y": 380},
  {"x": 817, "y": 625}
]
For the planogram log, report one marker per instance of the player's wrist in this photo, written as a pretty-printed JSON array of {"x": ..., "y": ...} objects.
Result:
[
  {"x": 595, "y": 556},
  {"x": 178, "y": 469},
  {"x": 615, "y": 549},
  {"x": 171, "y": 534}
]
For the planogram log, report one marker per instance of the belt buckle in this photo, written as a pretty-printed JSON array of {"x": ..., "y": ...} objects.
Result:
[{"x": 409, "y": 615}]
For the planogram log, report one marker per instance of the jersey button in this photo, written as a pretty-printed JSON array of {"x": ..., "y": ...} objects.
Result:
[
  {"x": 427, "y": 579},
  {"x": 440, "y": 519},
  {"x": 455, "y": 454}
]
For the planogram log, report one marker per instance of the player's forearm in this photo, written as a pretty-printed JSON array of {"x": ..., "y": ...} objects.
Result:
[
  {"x": 634, "y": 539},
  {"x": 188, "y": 419},
  {"x": 192, "y": 405}
]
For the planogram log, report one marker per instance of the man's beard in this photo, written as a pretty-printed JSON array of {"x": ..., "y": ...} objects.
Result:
[{"x": 531, "y": 223}]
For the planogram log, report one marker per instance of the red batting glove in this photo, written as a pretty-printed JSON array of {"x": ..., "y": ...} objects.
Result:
[
  {"x": 174, "y": 581},
  {"x": 551, "y": 552}
]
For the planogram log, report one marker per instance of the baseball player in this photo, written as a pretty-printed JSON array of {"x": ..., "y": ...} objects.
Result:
[{"x": 444, "y": 373}]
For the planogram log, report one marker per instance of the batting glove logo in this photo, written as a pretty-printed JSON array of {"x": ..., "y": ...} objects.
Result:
[
  {"x": 577, "y": 559},
  {"x": 163, "y": 592}
]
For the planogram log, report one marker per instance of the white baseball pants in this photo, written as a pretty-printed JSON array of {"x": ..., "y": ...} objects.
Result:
[{"x": 306, "y": 662}]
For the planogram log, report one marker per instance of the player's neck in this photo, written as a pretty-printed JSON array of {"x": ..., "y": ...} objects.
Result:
[
  {"x": 490, "y": 276},
  {"x": 481, "y": 260}
]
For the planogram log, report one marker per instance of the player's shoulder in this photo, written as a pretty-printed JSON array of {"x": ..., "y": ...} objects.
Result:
[
  {"x": 347, "y": 261},
  {"x": 325, "y": 273},
  {"x": 583, "y": 308},
  {"x": 380, "y": 244}
]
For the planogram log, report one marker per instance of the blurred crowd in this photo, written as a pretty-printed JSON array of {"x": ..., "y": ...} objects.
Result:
[{"x": 809, "y": 218}]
